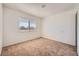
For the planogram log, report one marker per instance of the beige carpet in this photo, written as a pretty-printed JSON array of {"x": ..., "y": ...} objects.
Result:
[{"x": 40, "y": 47}]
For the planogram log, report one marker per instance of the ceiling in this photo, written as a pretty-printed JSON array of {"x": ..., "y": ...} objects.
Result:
[{"x": 41, "y": 9}]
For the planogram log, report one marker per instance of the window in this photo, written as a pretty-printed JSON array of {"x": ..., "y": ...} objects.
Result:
[
  {"x": 32, "y": 24},
  {"x": 26, "y": 24},
  {"x": 23, "y": 24}
]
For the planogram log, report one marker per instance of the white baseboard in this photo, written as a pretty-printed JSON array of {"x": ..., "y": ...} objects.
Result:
[{"x": 53, "y": 38}]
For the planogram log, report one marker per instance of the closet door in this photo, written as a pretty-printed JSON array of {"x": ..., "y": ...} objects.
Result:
[{"x": 1, "y": 28}]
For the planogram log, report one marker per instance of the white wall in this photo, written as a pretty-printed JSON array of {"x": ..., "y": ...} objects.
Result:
[
  {"x": 12, "y": 34},
  {"x": 60, "y": 27},
  {"x": 1, "y": 27}
]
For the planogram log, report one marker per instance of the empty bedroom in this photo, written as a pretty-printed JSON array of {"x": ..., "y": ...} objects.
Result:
[{"x": 39, "y": 29}]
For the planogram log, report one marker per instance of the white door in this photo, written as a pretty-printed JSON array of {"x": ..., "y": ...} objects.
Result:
[
  {"x": 78, "y": 33},
  {"x": 1, "y": 28}
]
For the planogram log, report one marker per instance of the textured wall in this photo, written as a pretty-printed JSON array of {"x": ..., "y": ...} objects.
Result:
[
  {"x": 12, "y": 34},
  {"x": 60, "y": 27}
]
